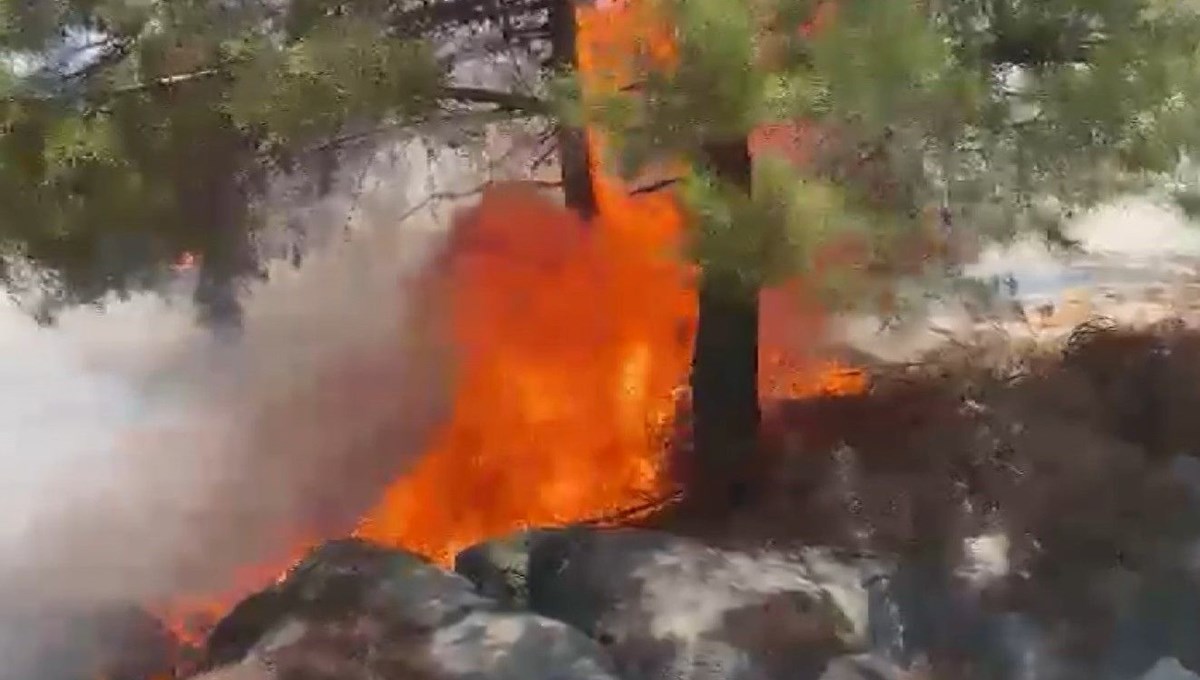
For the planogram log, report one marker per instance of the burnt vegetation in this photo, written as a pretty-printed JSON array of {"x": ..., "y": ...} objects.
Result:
[{"x": 1085, "y": 458}]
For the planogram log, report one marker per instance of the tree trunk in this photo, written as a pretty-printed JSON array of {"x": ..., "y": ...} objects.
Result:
[
  {"x": 217, "y": 204},
  {"x": 573, "y": 154},
  {"x": 724, "y": 380}
]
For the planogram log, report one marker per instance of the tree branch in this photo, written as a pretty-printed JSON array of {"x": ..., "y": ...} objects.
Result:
[
  {"x": 409, "y": 126},
  {"x": 169, "y": 81},
  {"x": 514, "y": 102},
  {"x": 652, "y": 187},
  {"x": 469, "y": 193},
  {"x": 633, "y": 512},
  {"x": 505, "y": 101}
]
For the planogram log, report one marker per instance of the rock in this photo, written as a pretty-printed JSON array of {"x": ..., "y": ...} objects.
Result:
[
  {"x": 398, "y": 585},
  {"x": 342, "y": 577},
  {"x": 73, "y": 643},
  {"x": 862, "y": 667},
  {"x": 1169, "y": 669},
  {"x": 1163, "y": 621},
  {"x": 498, "y": 568},
  {"x": 249, "y": 670},
  {"x": 354, "y": 610},
  {"x": 666, "y": 606},
  {"x": 928, "y": 612},
  {"x": 480, "y": 646},
  {"x": 514, "y": 646}
]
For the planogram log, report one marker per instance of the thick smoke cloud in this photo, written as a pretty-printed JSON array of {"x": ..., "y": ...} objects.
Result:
[{"x": 143, "y": 458}]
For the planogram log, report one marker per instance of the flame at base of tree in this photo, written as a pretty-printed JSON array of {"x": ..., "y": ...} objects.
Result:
[
  {"x": 573, "y": 339},
  {"x": 575, "y": 342}
]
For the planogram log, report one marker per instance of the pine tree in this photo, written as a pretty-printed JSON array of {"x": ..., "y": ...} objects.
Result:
[
  {"x": 920, "y": 119},
  {"x": 137, "y": 132}
]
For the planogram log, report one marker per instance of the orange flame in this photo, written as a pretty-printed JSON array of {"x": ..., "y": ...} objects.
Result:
[
  {"x": 571, "y": 348},
  {"x": 575, "y": 337},
  {"x": 574, "y": 341}
]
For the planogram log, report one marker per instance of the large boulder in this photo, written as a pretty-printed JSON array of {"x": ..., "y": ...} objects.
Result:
[
  {"x": 352, "y": 609},
  {"x": 499, "y": 567},
  {"x": 517, "y": 646},
  {"x": 666, "y": 606},
  {"x": 341, "y": 578}
]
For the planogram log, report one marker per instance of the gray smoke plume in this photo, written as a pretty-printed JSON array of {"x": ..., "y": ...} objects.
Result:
[{"x": 144, "y": 459}]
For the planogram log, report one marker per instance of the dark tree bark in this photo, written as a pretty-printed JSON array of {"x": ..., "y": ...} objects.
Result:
[
  {"x": 574, "y": 156},
  {"x": 724, "y": 379},
  {"x": 215, "y": 195}
]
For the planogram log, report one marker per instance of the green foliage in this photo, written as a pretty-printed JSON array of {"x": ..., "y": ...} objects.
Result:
[
  {"x": 995, "y": 116},
  {"x": 344, "y": 69},
  {"x": 132, "y": 131},
  {"x": 135, "y": 131}
]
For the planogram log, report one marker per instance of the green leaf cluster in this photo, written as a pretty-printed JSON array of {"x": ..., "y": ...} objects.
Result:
[
  {"x": 135, "y": 131},
  {"x": 989, "y": 116}
]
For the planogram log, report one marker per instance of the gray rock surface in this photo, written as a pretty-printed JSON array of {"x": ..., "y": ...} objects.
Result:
[
  {"x": 499, "y": 567},
  {"x": 516, "y": 646},
  {"x": 862, "y": 667},
  {"x": 1169, "y": 669},
  {"x": 669, "y": 607},
  {"x": 355, "y": 610}
]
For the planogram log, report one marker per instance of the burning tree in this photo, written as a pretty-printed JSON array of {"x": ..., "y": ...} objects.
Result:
[
  {"x": 139, "y": 133},
  {"x": 914, "y": 127}
]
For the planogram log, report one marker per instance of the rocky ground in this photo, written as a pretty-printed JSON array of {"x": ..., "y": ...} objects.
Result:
[
  {"x": 992, "y": 509},
  {"x": 596, "y": 604},
  {"x": 985, "y": 514}
]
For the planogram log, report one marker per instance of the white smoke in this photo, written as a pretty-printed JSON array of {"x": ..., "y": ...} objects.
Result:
[{"x": 142, "y": 458}]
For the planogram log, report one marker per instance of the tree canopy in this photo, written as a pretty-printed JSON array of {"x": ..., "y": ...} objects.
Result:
[
  {"x": 992, "y": 116},
  {"x": 138, "y": 132}
]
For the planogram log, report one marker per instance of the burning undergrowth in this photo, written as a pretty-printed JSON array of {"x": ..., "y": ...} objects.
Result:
[{"x": 1053, "y": 482}]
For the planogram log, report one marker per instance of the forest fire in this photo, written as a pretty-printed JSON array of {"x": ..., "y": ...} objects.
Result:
[
  {"x": 600, "y": 433},
  {"x": 575, "y": 339},
  {"x": 574, "y": 343}
]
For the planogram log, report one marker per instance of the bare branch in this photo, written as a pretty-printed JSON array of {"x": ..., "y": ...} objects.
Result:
[
  {"x": 634, "y": 512},
  {"x": 658, "y": 185},
  {"x": 514, "y": 102},
  {"x": 169, "y": 81},
  {"x": 411, "y": 127},
  {"x": 478, "y": 189}
]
